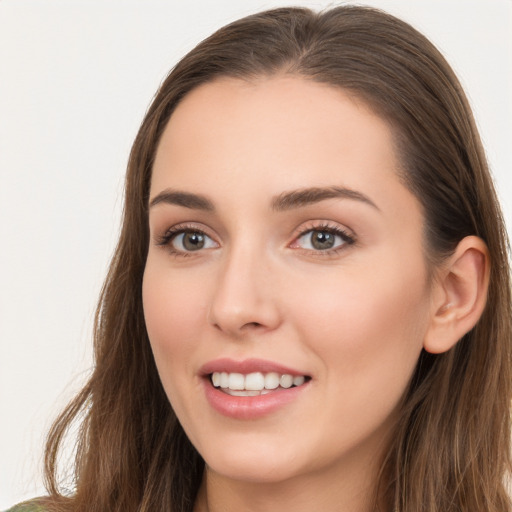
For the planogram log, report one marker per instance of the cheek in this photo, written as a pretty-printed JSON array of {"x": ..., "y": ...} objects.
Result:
[
  {"x": 173, "y": 307},
  {"x": 367, "y": 335},
  {"x": 369, "y": 323}
]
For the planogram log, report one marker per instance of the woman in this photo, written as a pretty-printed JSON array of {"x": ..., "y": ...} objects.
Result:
[{"x": 309, "y": 305}]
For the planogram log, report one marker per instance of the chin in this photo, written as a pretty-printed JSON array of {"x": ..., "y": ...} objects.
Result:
[
  {"x": 268, "y": 473},
  {"x": 254, "y": 464}
]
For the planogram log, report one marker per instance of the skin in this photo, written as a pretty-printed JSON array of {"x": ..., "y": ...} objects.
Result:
[{"x": 353, "y": 319}]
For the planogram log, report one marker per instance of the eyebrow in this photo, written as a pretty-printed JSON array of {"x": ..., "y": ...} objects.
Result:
[
  {"x": 282, "y": 202},
  {"x": 185, "y": 199},
  {"x": 307, "y": 196}
]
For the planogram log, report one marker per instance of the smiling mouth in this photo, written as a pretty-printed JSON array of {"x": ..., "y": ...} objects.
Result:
[{"x": 256, "y": 383}]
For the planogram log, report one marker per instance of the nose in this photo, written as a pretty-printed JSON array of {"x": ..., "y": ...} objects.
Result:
[{"x": 245, "y": 297}]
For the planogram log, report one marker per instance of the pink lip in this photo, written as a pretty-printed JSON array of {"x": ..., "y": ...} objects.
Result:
[{"x": 248, "y": 407}]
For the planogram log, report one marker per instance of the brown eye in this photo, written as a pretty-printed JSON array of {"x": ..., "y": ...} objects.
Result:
[
  {"x": 323, "y": 239},
  {"x": 189, "y": 241}
]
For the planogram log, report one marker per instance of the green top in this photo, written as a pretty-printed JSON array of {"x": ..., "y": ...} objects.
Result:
[{"x": 26, "y": 507}]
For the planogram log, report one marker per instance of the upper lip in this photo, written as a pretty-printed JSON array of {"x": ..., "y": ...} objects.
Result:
[{"x": 247, "y": 366}]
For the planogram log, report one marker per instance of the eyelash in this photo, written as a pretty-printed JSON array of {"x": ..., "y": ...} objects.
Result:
[
  {"x": 166, "y": 239},
  {"x": 325, "y": 227},
  {"x": 348, "y": 239}
]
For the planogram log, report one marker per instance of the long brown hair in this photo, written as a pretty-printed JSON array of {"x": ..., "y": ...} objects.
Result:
[{"x": 451, "y": 451}]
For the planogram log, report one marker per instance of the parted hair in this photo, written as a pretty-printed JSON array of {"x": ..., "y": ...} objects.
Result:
[{"x": 451, "y": 448}]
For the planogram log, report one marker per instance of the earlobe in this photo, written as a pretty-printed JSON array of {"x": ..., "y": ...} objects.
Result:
[{"x": 459, "y": 295}]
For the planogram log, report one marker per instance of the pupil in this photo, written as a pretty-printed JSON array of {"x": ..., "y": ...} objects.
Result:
[
  {"x": 193, "y": 241},
  {"x": 322, "y": 240}
]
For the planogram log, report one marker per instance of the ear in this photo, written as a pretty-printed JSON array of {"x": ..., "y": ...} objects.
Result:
[{"x": 459, "y": 295}]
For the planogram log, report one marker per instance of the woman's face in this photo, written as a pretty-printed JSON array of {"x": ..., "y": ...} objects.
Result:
[{"x": 285, "y": 251}]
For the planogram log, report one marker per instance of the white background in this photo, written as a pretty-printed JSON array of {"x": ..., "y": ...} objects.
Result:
[{"x": 75, "y": 80}]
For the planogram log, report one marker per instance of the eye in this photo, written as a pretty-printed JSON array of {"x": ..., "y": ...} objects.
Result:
[
  {"x": 182, "y": 240},
  {"x": 323, "y": 239},
  {"x": 188, "y": 241}
]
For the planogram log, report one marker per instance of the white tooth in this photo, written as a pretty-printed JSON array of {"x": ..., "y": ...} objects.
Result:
[
  {"x": 236, "y": 381},
  {"x": 286, "y": 381},
  {"x": 253, "y": 393},
  {"x": 224, "y": 380},
  {"x": 216, "y": 379},
  {"x": 298, "y": 380},
  {"x": 244, "y": 392},
  {"x": 271, "y": 380},
  {"x": 254, "y": 381}
]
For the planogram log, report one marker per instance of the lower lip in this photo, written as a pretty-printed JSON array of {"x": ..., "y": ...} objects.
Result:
[{"x": 250, "y": 407}]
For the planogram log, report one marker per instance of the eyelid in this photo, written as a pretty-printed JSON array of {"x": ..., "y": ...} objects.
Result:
[
  {"x": 165, "y": 239},
  {"x": 347, "y": 235}
]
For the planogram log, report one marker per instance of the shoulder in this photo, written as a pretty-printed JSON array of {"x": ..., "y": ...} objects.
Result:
[{"x": 27, "y": 507}]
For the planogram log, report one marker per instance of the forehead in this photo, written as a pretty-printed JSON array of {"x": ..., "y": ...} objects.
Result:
[
  {"x": 287, "y": 109},
  {"x": 273, "y": 134}
]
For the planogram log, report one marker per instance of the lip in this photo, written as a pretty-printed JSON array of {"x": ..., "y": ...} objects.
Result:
[
  {"x": 249, "y": 407},
  {"x": 246, "y": 366}
]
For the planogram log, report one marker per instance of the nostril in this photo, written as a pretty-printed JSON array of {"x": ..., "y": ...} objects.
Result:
[{"x": 252, "y": 324}]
